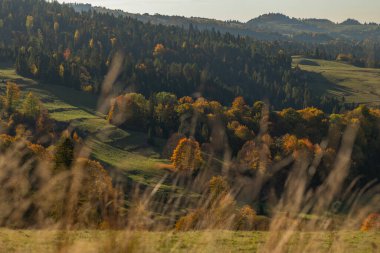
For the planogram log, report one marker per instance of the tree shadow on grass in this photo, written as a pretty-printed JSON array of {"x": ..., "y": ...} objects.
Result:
[
  {"x": 85, "y": 101},
  {"x": 322, "y": 86}
]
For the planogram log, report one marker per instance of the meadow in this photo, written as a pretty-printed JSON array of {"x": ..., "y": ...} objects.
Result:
[
  {"x": 357, "y": 85},
  {"x": 206, "y": 241}
]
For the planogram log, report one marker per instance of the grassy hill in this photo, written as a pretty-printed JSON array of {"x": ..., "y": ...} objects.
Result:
[
  {"x": 126, "y": 151},
  {"x": 358, "y": 85}
]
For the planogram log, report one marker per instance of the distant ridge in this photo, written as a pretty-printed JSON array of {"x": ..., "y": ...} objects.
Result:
[
  {"x": 275, "y": 17},
  {"x": 272, "y": 17},
  {"x": 81, "y": 7},
  {"x": 351, "y": 22},
  {"x": 271, "y": 26},
  {"x": 319, "y": 21}
]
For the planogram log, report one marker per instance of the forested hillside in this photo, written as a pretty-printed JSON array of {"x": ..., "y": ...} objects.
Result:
[
  {"x": 52, "y": 42},
  {"x": 351, "y": 40},
  {"x": 271, "y": 26}
]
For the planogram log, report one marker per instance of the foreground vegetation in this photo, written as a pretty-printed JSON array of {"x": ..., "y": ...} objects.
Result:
[{"x": 207, "y": 241}]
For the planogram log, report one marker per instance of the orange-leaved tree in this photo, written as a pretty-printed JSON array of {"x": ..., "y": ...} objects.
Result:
[
  {"x": 11, "y": 97},
  {"x": 187, "y": 155}
]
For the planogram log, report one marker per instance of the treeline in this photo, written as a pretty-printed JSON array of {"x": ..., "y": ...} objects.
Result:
[
  {"x": 239, "y": 129},
  {"x": 365, "y": 54},
  {"x": 53, "y": 43}
]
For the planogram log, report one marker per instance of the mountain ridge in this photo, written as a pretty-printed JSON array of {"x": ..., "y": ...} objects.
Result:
[{"x": 270, "y": 26}]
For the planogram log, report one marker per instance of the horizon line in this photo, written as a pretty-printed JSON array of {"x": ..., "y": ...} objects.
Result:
[{"x": 223, "y": 20}]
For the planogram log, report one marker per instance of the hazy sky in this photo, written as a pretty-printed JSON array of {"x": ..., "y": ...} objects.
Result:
[{"x": 335, "y": 10}]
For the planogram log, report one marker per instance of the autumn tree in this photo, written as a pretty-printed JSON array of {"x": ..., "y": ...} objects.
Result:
[
  {"x": 238, "y": 103},
  {"x": 187, "y": 155},
  {"x": 64, "y": 154},
  {"x": 219, "y": 187},
  {"x": 295, "y": 146},
  {"x": 316, "y": 126},
  {"x": 12, "y": 96},
  {"x": 245, "y": 218},
  {"x": 91, "y": 43},
  {"x": 56, "y": 27},
  {"x": 34, "y": 69},
  {"x": 76, "y": 36},
  {"x": 159, "y": 49},
  {"x": 29, "y": 22},
  {"x": 98, "y": 202},
  {"x": 165, "y": 112},
  {"x": 61, "y": 71},
  {"x": 290, "y": 122},
  {"x": 217, "y": 213},
  {"x": 249, "y": 156},
  {"x": 31, "y": 106},
  {"x": 129, "y": 111},
  {"x": 238, "y": 135}
]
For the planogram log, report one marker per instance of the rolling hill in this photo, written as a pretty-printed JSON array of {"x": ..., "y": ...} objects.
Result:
[
  {"x": 125, "y": 151},
  {"x": 356, "y": 85}
]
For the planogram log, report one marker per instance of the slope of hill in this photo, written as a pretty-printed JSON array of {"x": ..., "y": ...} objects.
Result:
[
  {"x": 350, "y": 22},
  {"x": 282, "y": 24},
  {"x": 114, "y": 147},
  {"x": 356, "y": 85},
  {"x": 233, "y": 27}
]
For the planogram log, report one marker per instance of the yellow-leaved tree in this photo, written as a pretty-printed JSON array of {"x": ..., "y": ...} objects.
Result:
[
  {"x": 56, "y": 27},
  {"x": 187, "y": 155},
  {"x": 12, "y": 96},
  {"x": 29, "y": 22},
  {"x": 31, "y": 106},
  {"x": 76, "y": 36}
]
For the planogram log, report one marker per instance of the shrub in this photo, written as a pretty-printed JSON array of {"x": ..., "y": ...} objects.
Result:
[
  {"x": 218, "y": 187},
  {"x": 190, "y": 221},
  {"x": 245, "y": 218}
]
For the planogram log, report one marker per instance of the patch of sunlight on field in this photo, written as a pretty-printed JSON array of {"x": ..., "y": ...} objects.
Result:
[
  {"x": 122, "y": 159},
  {"x": 70, "y": 115}
]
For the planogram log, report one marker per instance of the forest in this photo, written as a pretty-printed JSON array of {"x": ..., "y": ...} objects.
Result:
[{"x": 78, "y": 48}]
